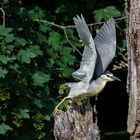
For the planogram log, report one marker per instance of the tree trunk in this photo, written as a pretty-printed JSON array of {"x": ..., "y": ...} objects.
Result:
[
  {"x": 76, "y": 123},
  {"x": 133, "y": 79}
]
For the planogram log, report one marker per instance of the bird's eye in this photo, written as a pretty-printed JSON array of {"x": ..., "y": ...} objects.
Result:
[{"x": 109, "y": 75}]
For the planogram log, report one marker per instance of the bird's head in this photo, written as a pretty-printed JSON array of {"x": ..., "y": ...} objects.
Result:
[{"x": 108, "y": 76}]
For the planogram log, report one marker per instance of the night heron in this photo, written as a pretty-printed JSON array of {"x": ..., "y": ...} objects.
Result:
[{"x": 97, "y": 55}]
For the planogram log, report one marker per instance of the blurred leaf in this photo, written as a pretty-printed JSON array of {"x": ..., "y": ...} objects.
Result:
[
  {"x": 21, "y": 113},
  {"x": 9, "y": 38},
  {"x": 3, "y": 72},
  {"x": 14, "y": 67},
  {"x": 106, "y": 13},
  {"x": 113, "y": 11},
  {"x": 36, "y": 50},
  {"x": 98, "y": 15},
  {"x": 67, "y": 71},
  {"x": 60, "y": 9},
  {"x": 39, "y": 78},
  {"x": 54, "y": 39},
  {"x": 5, "y": 31},
  {"x": 21, "y": 41},
  {"x": 5, "y": 59},
  {"x": 39, "y": 103},
  {"x": 4, "y": 128},
  {"x": 26, "y": 55},
  {"x": 47, "y": 117},
  {"x": 36, "y": 13},
  {"x": 44, "y": 27}
]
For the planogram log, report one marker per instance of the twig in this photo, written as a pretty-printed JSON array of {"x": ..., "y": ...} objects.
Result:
[
  {"x": 3, "y": 16},
  {"x": 65, "y": 33},
  {"x": 50, "y": 23},
  {"x": 64, "y": 29},
  {"x": 73, "y": 26},
  {"x": 120, "y": 28}
]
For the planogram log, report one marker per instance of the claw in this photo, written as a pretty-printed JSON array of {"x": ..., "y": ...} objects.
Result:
[{"x": 55, "y": 110}]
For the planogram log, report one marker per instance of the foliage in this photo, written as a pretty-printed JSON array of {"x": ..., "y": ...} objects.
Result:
[
  {"x": 107, "y": 12},
  {"x": 35, "y": 58}
]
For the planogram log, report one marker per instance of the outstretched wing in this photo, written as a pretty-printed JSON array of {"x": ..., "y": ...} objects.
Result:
[
  {"x": 87, "y": 66},
  {"x": 105, "y": 43}
]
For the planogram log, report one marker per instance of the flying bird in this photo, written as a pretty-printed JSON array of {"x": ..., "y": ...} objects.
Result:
[{"x": 96, "y": 57}]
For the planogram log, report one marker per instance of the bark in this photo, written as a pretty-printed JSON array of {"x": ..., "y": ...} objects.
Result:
[
  {"x": 76, "y": 123},
  {"x": 133, "y": 79}
]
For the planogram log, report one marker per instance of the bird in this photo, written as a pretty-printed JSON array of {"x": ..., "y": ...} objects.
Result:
[{"x": 97, "y": 55}]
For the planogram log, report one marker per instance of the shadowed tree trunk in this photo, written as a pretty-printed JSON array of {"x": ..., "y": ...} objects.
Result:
[
  {"x": 133, "y": 80},
  {"x": 76, "y": 123}
]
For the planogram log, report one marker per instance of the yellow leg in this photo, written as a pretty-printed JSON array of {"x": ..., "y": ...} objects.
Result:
[{"x": 56, "y": 108}]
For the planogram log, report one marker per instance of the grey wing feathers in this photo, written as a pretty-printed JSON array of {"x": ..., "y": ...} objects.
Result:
[
  {"x": 85, "y": 72},
  {"x": 82, "y": 28},
  {"x": 105, "y": 42}
]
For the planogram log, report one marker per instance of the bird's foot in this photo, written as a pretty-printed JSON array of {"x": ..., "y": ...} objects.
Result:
[{"x": 55, "y": 110}]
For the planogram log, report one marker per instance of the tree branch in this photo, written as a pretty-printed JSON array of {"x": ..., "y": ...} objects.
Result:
[
  {"x": 3, "y": 16},
  {"x": 70, "y": 42},
  {"x": 73, "y": 26}
]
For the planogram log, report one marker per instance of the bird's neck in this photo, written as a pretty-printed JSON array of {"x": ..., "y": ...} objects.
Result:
[{"x": 101, "y": 82}]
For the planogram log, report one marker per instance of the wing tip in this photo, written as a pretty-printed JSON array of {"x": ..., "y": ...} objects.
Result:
[{"x": 77, "y": 17}]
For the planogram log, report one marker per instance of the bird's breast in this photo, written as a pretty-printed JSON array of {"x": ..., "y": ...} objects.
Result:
[{"x": 95, "y": 89}]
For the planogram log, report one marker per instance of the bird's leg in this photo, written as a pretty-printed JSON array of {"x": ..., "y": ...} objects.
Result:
[{"x": 56, "y": 108}]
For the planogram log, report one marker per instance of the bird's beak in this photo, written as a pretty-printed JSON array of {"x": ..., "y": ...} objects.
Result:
[{"x": 115, "y": 78}]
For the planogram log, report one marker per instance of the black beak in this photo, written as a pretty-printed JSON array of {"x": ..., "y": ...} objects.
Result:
[{"x": 115, "y": 78}]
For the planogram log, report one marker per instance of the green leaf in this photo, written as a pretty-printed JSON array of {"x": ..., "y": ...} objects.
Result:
[
  {"x": 64, "y": 105},
  {"x": 25, "y": 56},
  {"x": 3, "y": 117},
  {"x": 5, "y": 59},
  {"x": 14, "y": 67},
  {"x": 4, "y": 128},
  {"x": 36, "y": 50},
  {"x": 21, "y": 41},
  {"x": 36, "y": 13},
  {"x": 39, "y": 78},
  {"x": 47, "y": 117},
  {"x": 98, "y": 15},
  {"x": 9, "y": 38},
  {"x": 5, "y": 31},
  {"x": 54, "y": 39},
  {"x": 9, "y": 48},
  {"x": 3, "y": 72},
  {"x": 43, "y": 27},
  {"x": 21, "y": 113},
  {"x": 60, "y": 9},
  {"x": 106, "y": 13},
  {"x": 67, "y": 71},
  {"x": 113, "y": 11},
  {"x": 38, "y": 102}
]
